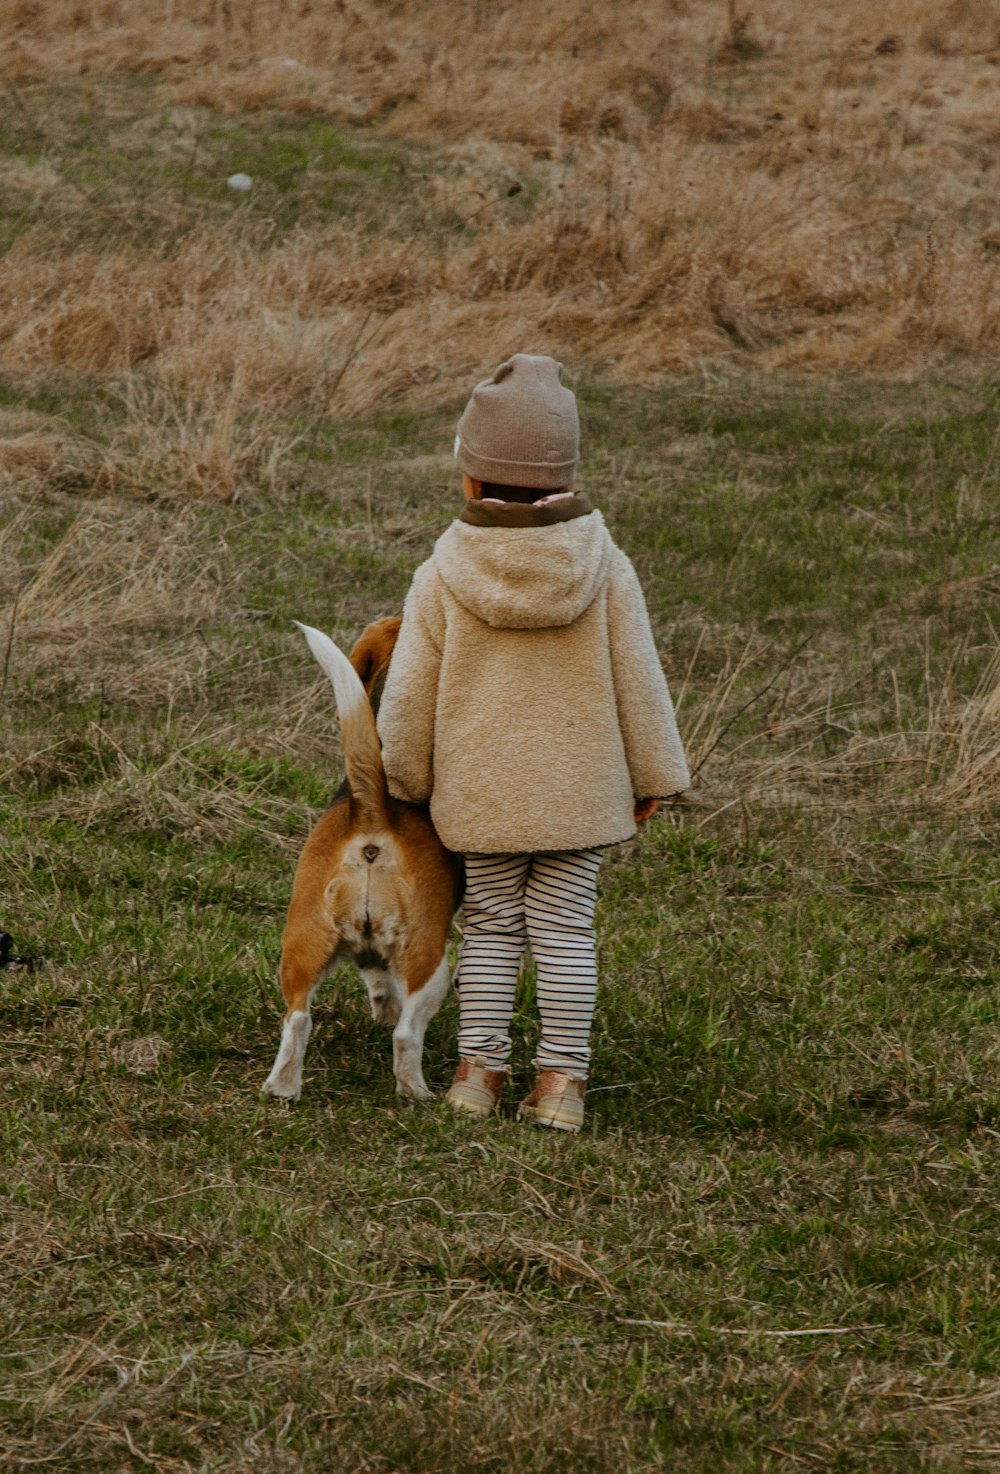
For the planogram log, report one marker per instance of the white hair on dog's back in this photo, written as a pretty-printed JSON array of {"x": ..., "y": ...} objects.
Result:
[{"x": 362, "y": 749}]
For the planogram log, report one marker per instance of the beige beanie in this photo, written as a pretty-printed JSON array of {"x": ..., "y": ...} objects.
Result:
[{"x": 520, "y": 428}]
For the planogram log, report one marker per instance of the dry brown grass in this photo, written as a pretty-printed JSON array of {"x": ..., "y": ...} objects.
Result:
[
  {"x": 807, "y": 187},
  {"x": 109, "y": 577},
  {"x": 94, "y": 609},
  {"x": 971, "y": 743}
]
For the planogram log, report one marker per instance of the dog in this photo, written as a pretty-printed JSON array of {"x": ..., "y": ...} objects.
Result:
[{"x": 374, "y": 883}]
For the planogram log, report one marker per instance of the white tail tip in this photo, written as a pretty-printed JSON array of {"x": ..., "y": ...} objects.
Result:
[{"x": 345, "y": 680}]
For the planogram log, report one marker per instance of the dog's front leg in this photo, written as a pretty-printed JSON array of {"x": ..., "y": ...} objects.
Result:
[{"x": 421, "y": 1003}]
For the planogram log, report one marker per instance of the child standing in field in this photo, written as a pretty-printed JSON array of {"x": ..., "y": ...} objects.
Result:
[{"x": 526, "y": 703}]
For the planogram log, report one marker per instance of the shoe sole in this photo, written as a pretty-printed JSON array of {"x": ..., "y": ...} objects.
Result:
[
  {"x": 556, "y": 1122},
  {"x": 472, "y": 1105}
]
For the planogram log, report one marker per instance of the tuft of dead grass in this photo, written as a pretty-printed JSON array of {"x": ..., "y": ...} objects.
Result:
[
  {"x": 91, "y": 611},
  {"x": 969, "y": 744},
  {"x": 171, "y": 444},
  {"x": 28, "y": 457},
  {"x": 110, "y": 576},
  {"x": 170, "y": 793}
]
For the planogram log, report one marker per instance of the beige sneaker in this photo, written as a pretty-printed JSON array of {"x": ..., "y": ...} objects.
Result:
[
  {"x": 477, "y": 1087},
  {"x": 557, "y": 1100}
]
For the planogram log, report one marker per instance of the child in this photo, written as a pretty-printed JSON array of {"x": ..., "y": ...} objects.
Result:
[{"x": 525, "y": 701}]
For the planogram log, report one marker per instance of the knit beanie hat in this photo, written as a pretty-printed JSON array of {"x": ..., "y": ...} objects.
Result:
[{"x": 520, "y": 428}]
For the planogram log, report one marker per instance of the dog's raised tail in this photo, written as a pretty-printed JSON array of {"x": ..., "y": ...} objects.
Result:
[{"x": 362, "y": 750}]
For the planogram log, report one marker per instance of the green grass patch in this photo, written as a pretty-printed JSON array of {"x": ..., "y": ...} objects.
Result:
[{"x": 121, "y": 168}]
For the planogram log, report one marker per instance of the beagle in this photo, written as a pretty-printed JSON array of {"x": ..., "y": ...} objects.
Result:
[{"x": 374, "y": 883}]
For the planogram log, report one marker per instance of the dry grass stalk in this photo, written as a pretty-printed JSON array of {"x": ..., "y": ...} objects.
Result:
[
  {"x": 170, "y": 793},
  {"x": 969, "y": 747},
  {"x": 111, "y": 576}
]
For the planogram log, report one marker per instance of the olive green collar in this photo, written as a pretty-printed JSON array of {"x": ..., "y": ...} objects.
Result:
[{"x": 521, "y": 514}]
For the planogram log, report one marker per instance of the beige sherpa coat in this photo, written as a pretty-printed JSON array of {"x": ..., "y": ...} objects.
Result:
[{"x": 525, "y": 698}]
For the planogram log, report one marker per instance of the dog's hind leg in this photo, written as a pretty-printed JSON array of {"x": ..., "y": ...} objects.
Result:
[
  {"x": 306, "y": 957},
  {"x": 384, "y": 994},
  {"x": 427, "y": 986}
]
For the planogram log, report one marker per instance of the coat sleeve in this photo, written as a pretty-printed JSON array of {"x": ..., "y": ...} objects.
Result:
[
  {"x": 653, "y": 747},
  {"x": 409, "y": 701}
]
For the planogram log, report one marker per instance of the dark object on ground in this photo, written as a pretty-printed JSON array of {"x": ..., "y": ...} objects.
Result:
[{"x": 11, "y": 963}]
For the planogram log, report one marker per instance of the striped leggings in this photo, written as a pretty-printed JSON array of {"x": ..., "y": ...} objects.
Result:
[{"x": 547, "y": 899}]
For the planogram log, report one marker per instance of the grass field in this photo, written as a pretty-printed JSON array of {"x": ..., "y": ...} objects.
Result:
[
  {"x": 795, "y": 1114},
  {"x": 773, "y": 1248}
]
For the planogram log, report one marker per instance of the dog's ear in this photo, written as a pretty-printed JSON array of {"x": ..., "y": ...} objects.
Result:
[
  {"x": 373, "y": 651},
  {"x": 385, "y": 634},
  {"x": 361, "y": 658}
]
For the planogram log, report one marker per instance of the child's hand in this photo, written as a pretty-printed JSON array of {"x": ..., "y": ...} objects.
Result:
[{"x": 645, "y": 808}]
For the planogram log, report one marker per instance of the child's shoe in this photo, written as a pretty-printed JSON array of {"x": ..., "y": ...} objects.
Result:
[
  {"x": 477, "y": 1087},
  {"x": 557, "y": 1100}
]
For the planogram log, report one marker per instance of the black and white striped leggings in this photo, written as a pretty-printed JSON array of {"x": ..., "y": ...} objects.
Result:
[{"x": 547, "y": 899}]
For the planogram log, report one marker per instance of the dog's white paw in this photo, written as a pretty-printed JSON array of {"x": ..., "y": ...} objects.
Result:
[
  {"x": 414, "y": 1090},
  {"x": 282, "y": 1089},
  {"x": 285, "y": 1079}
]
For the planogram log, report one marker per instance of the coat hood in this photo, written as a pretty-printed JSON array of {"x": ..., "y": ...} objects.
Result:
[{"x": 524, "y": 578}]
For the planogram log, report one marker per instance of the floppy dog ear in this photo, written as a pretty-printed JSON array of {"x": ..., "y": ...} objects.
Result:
[
  {"x": 373, "y": 651},
  {"x": 363, "y": 660}
]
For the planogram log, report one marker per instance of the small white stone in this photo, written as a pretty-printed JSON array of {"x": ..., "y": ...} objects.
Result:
[{"x": 241, "y": 182}]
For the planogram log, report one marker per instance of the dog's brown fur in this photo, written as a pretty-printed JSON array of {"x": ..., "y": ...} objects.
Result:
[{"x": 374, "y": 883}]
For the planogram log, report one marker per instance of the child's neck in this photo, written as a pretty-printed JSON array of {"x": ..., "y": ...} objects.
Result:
[{"x": 494, "y": 491}]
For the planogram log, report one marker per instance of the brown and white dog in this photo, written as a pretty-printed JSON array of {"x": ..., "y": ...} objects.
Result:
[{"x": 374, "y": 883}]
